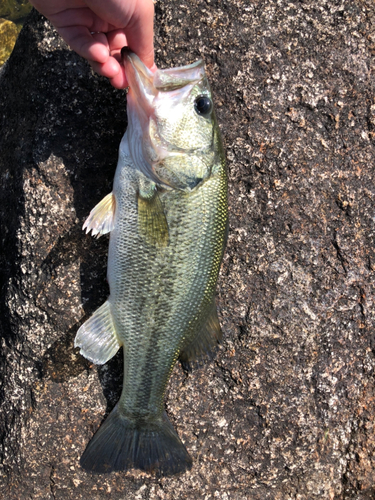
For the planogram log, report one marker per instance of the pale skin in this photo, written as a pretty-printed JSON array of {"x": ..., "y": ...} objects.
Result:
[{"x": 98, "y": 29}]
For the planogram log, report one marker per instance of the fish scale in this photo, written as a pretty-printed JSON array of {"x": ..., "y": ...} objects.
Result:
[
  {"x": 177, "y": 277},
  {"x": 167, "y": 216}
]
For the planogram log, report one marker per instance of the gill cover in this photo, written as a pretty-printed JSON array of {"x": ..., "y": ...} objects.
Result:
[{"x": 171, "y": 122}]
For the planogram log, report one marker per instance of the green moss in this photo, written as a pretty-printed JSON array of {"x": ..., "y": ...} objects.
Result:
[
  {"x": 12, "y": 14},
  {"x": 13, "y": 10},
  {"x": 8, "y": 37}
]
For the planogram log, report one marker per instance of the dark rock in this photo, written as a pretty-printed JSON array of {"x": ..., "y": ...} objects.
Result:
[{"x": 286, "y": 410}]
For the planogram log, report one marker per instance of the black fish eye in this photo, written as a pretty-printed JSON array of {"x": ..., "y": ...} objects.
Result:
[{"x": 203, "y": 105}]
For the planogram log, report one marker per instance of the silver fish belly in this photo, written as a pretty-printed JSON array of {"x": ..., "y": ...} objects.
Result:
[{"x": 167, "y": 218}]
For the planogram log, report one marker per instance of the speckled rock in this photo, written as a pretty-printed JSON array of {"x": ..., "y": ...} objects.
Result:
[{"x": 286, "y": 410}]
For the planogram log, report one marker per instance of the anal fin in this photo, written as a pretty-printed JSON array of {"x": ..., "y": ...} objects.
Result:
[
  {"x": 205, "y": 342},
  {"x": 101, "y": 218},
  {"x": 97, "y": 337}
]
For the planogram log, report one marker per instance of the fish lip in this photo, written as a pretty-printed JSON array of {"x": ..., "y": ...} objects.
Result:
[
  {"x": 125, "y": 51},
  {"x": 169, "y": 79},
  {"x": 162, "y": 80},
  {"x": 140, "y": 80},
  {"x": 127, "y": 56}
]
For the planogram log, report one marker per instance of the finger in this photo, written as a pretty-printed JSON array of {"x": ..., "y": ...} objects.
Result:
[
  {"x": 136, "y": 19},
  {"x": 120, "y": 81},
  {"x": 90, "y": 46},
  {"x": 50, "y": 8},
  {"x": 116, "y": 40},
  {"x": 140, "y": 32},
  {"x": 69, "y": 18},
  {"x": 113, "y": 70},
  {"x": 116, "y": 12}
]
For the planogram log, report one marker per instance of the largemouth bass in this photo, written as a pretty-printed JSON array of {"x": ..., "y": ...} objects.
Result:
[{"x": 167, "y": 215}]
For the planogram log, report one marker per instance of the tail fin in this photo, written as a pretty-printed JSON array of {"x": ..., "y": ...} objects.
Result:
[{"x": 121, "y": 444}]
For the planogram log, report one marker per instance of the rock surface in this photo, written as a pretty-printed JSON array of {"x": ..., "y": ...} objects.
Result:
[{"x": 286, "y": 410}]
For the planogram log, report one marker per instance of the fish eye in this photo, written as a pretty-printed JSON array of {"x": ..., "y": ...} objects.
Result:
[{"x": 203, "y": 105}]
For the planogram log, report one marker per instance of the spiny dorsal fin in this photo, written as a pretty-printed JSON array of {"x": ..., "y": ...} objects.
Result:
[
  {"x": 152, "y": 223},
  {"x": 101, "y": 218}
]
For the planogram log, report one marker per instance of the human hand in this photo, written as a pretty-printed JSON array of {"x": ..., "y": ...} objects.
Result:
[{"x": 98, "y": 29}]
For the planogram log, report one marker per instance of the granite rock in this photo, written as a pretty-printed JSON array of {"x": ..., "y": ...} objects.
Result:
[{"x": 286, "y": 409}]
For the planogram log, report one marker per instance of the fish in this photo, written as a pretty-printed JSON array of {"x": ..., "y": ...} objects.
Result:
[{"x": 167, "y": 216}]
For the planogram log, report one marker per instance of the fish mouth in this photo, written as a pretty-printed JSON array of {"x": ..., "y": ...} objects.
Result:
[
  {"x": 140, "y": 80},
  {"x": 145, "y": 87},
  {"x": 148, "y": 83}
]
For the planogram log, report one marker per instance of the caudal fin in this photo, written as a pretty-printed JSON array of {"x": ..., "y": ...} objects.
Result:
[{"x": 121, "y": 444}]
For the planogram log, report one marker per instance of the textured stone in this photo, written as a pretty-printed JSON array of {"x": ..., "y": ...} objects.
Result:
[{"x": 286, "y": 410}]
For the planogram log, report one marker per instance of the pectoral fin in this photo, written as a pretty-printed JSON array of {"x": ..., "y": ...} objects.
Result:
[
  {"x": 204, "y": 342},
  {"x": 97, "y": 337},
  {"x": 101, "y": 218},
  {"x": 152, "y": 223}
]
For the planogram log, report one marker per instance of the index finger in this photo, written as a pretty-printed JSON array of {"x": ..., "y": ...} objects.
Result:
[
  {"x": 135, "y": 18},
  {"x": 140, "y": 32}
]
